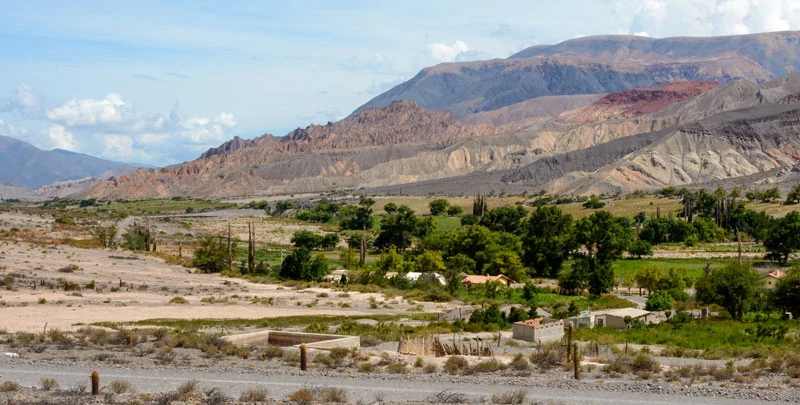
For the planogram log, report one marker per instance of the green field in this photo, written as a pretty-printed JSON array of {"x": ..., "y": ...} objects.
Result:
[{"x": 161, "y": 206}]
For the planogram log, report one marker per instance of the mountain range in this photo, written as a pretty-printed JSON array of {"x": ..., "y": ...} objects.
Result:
[
  {"x": 26, "y": 170},
  {"x": 608, "y": 114}
]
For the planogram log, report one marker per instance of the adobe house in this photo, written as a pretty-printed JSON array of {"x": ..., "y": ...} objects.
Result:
[
  {"x": 615, "y": 318},
  {"x": 773, "y": 277},
  {"x": 472, "y": 279},
  {"x": 538, "y": 329}
]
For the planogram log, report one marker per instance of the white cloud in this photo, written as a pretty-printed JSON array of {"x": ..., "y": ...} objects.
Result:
[
  {"x": 60, "y": 138},
  {"x": 110, "y": 128},
  {"x": 90, "y": 112},
  {"x": 704, "y": 18},
  {"x": 447, "y": 53},
  {"x": 226, "y": 119},
  {"x": 641, "y": 34},
  {"x": 23, "y": 99},
  {"x": 119, "y": 147}
]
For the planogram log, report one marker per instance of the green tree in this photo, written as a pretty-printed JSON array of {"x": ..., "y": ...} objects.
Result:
[
  {"x": 733, "y": 287},
  {"x": 212, "y": 254},
  {"x": 105, "y": 235},
  {"x": 794, "y": 196},
  {"x": 784, "y": 237},
  {"x": 306, "y": 239},
  {"x": 647, "y": 277},
  {"x": 506, "y": 219},
  {"x": 454, "y": 210},
  {"x": 438, "y": 206},
  {"x": 548, "y": 240},
  {"x": 640, "y": 248},
  {"x": 660, "y": 301},
  {"x": 786, "y": 294},
  {"x": 479, "y": 206},
  {"x": 358, "y": 218},
  {"x": 604, "y": 238},
  {"x": 400, "y": 228},
  {"x": 429, "y": 261},
  {"x": 301, "y": 266},
  {"x": 505, "y": 262}
]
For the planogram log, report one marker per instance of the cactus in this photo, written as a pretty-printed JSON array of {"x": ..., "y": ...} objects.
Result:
[
  {"x": 95, "y": 383},
  {"x": 303, "y": 357}
]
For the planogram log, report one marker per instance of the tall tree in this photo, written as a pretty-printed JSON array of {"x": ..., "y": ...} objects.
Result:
[
  {"x": 438, "y": 206},
  {"x": 299, "y": 265},
  {"x": 548, "y": 240},
  {"x": 784, "y": 237},
  {"x": 604, "y": 238},
  {"x": 733, "y": 287},
  {"x": 400, "y": 228}
]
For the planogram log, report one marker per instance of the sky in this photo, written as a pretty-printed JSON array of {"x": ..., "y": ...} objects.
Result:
[{"x": 159, "y": 82}]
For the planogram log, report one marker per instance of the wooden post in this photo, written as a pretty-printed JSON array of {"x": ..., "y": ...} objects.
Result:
[
  {"x": 576, "y": 362},
  {"x": 569, "y": 342},
  {"x": 303, "y": 357},
  {"x": 95, "y": 383}
]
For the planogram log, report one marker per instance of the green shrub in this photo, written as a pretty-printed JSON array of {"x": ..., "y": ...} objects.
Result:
[
  {"x": 303, "y": 396},
  {"x": 455, "y": 364},
  {"x": 178, "y": 300},
  {"x": 258, "y": 394}
]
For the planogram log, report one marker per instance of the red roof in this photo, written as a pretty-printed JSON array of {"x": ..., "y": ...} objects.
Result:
[{"x": 777, "y": 274}]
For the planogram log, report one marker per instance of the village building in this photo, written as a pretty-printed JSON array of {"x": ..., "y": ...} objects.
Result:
[
  {"x": 612, "y": 318},
  {"x": 472, "y": 279},
  {"x": 773, "y": 277},
  {"x": 538, "y": 329}
]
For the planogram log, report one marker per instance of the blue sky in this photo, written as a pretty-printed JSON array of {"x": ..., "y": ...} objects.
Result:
[{"x": 159, "y": 82}]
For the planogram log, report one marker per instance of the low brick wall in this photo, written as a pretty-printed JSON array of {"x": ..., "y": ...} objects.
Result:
[{"x": 281, "y": 338}]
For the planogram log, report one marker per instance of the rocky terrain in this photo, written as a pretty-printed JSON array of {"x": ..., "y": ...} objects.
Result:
[{"x": 635, "y": 102}]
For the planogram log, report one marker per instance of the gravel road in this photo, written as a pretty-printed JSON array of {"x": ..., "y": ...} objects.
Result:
[{"x": 395, "y": 388}]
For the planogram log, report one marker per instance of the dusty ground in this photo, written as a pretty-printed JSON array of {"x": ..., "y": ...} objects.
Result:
[{"x": 134, "y": 286}]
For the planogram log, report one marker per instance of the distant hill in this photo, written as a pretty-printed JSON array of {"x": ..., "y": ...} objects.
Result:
[
  {"x": 594, "y": 115},
  {"x": 594, "y": 65},
  {"x": 25, "y": 165}
]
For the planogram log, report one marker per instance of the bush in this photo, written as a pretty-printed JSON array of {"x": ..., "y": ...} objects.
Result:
[
  {"x": 396, "y": 368},
  {"x": 48, "y": 383},
  {"x": 430, "y": 368},
  {"x": 303, "y": 396},
  {"x": 258, "y": 394},
  {"x": 548, "y": 357},
  {"x": 178, "y": 300},
  {"x": 489, "y": 366},
  {"x": 520, "y": 362},
  {"x": 366, "y": 367},
  {"x": 333, "y": 396},
  {"x": 455, "y": 364},
  {"x": 513, "y": 397},
  {"x": 188, "y": 387},
  {"x": 119, "y": 386},
  {"x": 9, "y": 386}
]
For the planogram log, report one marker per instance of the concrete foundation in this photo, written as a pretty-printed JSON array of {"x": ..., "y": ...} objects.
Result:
[{"x": 286, "y": 339}]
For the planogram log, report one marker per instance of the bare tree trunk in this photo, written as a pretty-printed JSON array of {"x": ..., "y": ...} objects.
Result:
[
  {"x": 251, "y": 247},
  {"x": 230, "y": 252},
  {"x": 739, "y": 241},
  {"x": 362, "y": 250}
]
